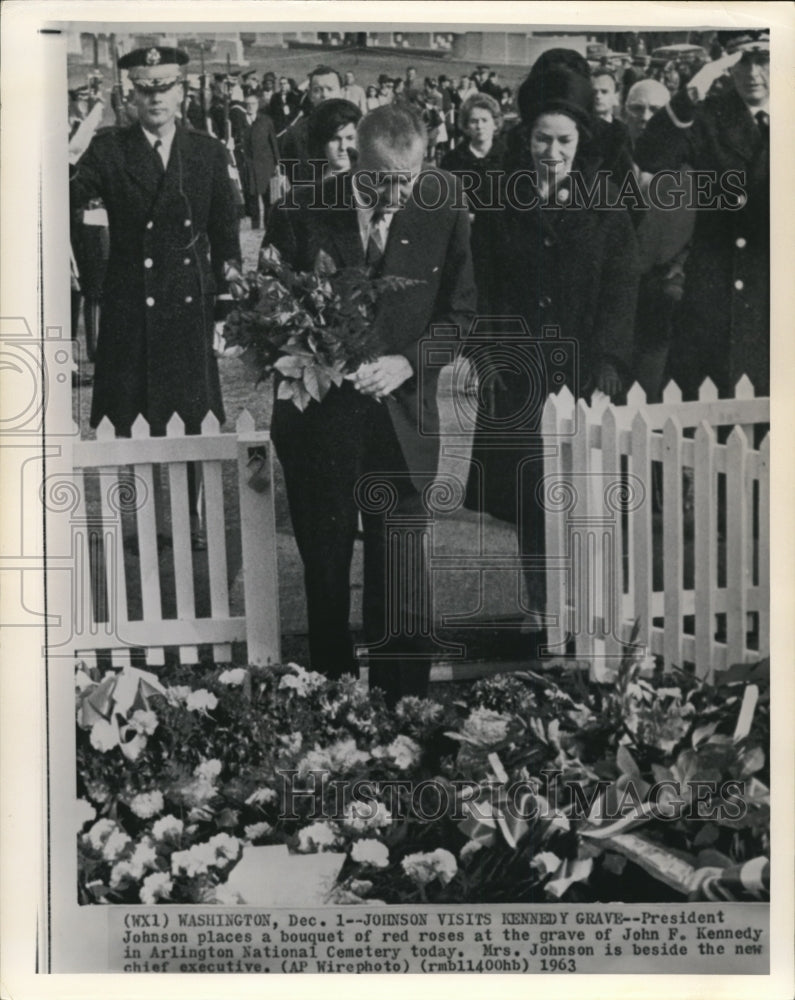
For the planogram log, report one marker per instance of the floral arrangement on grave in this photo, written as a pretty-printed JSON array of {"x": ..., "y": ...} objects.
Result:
[{"x": 311, "y": 328}]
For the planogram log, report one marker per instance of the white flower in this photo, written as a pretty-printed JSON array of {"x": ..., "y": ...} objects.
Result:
[
  {"x": 257, "y": 830},
  {"x": 224, "y": 847},
  {"x": 104, "y": 735},
  {"x": 233, "y": 677},
  {"x": 144, "y": 856},
  {"x": 100, "y": 832},
  {"x": 339, "y": 758},
  {"x": 404, "y": 752},
  {"x": 147, "y": 804},
  {"x": 201, "y": 701},
  {"x": 486, "y": 727},
  {"x": 363, "y": 816},
  {"x": 422, "y": 711},
  {"x": 178, "y": 693},
  {"x": 370, "y": 852},
  {"x": 360, "y": 886},
  {"x": 145, "y": 722},
  {"x": 115, "y": 844},
  {"x": 301, "y": 681},
  {"x": 292, "y": 742},
  {"x": 194, "y": 861},
  {"x": 84, "y": 812},
  {"x": 470, "y": 847},
  {"x": 208, "y": 770},
  {"x": 316, "y": 837},
  {"x": 424, "y": 868},
  {"x": 156, "y": 886},
  {"x": 123, "y": 871},
  {"x": 133, "y": 868},
  {"x": 167, "y": 826},
  {"x": 262, "y": 796}
]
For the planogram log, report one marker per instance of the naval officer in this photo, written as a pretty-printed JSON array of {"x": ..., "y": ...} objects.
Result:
[{"x": 173, "y": 245}]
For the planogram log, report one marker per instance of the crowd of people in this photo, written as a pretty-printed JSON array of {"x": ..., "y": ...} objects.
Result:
[{"x": 628, "y": 217}]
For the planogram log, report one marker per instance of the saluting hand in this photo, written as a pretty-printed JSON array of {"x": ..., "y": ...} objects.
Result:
[{"x": 381, "y": 377}]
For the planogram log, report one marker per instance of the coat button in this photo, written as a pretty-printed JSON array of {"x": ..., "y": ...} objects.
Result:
[
  {"x": 740, "y": 242},
  {"x": 186, "y": 260},
  {"x": 150, "y": 301},
  {"x": 150, "y": 224},
  {"x": 186, "y": 222},
  {"x": 148, "y": 262},
  {"x": 544, "y": 301},
  {"x": 741, "y": 200},
  {"x": 739, "y": 285},
  {"x": 548, "y": 241},
  {"x": 188, "y": 299}
]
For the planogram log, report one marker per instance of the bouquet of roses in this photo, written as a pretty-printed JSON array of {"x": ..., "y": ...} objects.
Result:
[{"x": 312, "y": 328}]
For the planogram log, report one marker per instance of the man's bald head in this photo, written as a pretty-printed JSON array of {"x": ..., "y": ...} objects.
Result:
[{"x": 645, "y": 98}]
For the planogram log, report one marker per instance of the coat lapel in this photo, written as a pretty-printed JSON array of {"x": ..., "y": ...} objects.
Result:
[
  {"x": 139, "y": 162},
  {"x": 179, "y": 167},
  {"x": 738, "y": 129},
  {"x": 342, "y": 225}
]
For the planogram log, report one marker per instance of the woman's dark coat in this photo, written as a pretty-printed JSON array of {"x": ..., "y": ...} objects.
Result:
[{"x": 560, "y": 292}]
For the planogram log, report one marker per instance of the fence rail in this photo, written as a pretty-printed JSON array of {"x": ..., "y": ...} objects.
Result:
[
  {"x": 656, "y": 514},
  {"x": 660, "y": 515},
  {"x": 134, "y": 502}
]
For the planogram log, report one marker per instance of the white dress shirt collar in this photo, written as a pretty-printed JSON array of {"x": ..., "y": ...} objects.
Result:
[{"x": 166, "y": 141}]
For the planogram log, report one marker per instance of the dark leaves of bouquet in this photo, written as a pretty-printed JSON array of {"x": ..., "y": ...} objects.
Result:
[{"x": 309, "y": 327}]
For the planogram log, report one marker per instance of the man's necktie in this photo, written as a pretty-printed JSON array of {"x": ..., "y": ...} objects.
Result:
[
  {"x": 763, "y": 121},
  {"x": 375, "y": 241},
  {"x": 159, "y": 156}
]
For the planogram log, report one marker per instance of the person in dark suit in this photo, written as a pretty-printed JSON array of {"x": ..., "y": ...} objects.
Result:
[
  {"x": 724, "y": 328},
  {"x": 381, "y": 421},
  {"x": 563, "y": 278},
  {"x": 284, "y": 105},
  {"x": 262, "y": 157},
  {"x": 324, "y": 84},
  {"x": 173, "y": 233}
]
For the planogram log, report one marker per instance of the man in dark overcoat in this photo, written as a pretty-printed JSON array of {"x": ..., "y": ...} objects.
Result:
[
  {"x": 381, "y": 421},
  {"x": 724, "y": 331},
  {"x": 173, "y": 239},
  {"x": 262, "y": 158}
]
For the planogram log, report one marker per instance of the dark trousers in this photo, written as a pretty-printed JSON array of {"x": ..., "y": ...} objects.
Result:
[
  {"x": 325, "y": 453},
  {"x": 253, "y": 202}
]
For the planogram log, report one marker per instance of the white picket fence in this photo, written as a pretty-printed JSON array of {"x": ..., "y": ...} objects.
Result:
[
  {"x": 139, "y": 487},
  {"x": 614, "y": 560},
  {"x": 694, "y": 577}
]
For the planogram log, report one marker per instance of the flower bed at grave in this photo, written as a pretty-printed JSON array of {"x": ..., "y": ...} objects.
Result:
[{"x": 523, "y": 787}]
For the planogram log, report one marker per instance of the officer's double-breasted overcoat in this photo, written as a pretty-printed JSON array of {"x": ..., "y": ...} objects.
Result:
[{"x": 171, "y": 233}]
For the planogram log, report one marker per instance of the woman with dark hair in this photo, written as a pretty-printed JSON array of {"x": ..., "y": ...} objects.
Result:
[
  {"x": 332, "y": 135},
  {"x": 610, "y": 146},
  {"x": 554, "y": 264},
  {"x": 371, "y": 98}
]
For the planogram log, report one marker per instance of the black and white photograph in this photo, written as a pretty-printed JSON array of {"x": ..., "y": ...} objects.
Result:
[{"x": 396, "y": 521}]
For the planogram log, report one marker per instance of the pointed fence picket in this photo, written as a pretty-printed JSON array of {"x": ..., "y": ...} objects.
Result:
[
  {"x": 696, "y": 557},
  {"x": 133, "y": 475}
]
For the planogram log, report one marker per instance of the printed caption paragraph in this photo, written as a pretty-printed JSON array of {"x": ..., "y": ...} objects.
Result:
[{"x": 661, "y": 938}]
